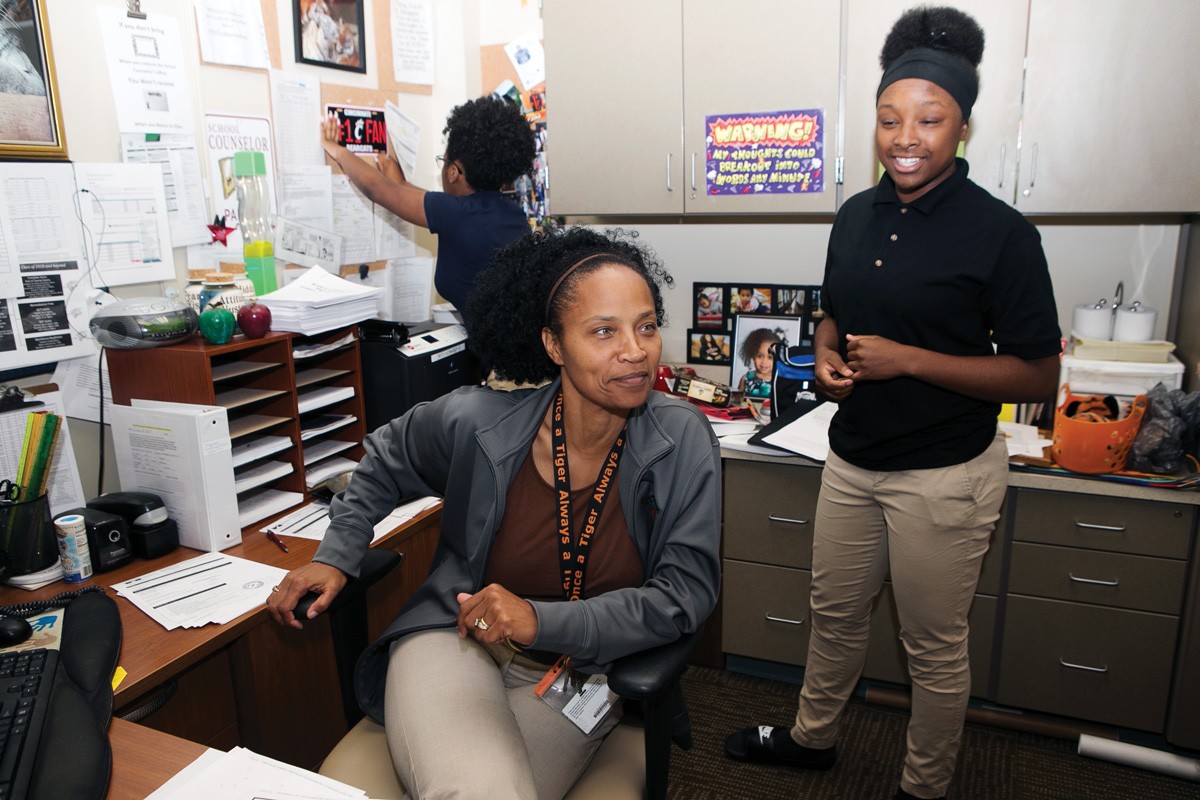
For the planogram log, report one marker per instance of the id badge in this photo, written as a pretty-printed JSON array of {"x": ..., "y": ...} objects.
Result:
[{"x": 585, "y": 704}]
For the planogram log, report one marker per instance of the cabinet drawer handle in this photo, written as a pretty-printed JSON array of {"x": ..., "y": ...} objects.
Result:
[
  {"x": 1083, "y": 667},
  {"x": 1091, "y": 526},
  {"x": 789, "y": 520},
  {"x": 669, "y": 189},
  {"x": 1003, "y": 157},
  {"x": 693, "y": 172},
  {"x": 1092, "y": 581},
  {"x": 784, "y": 620}
]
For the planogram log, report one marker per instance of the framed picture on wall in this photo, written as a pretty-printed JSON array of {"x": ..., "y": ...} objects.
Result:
[
  {"x": 30, "y": 117},
  {"x": 708, "y": 305},
  {"x": 329, "y": 33}
]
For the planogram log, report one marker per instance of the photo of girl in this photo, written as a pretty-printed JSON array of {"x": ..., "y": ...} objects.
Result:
[
  {"x": 709, "y": 311},
  {"x": 708, "y": 348},
  {"x": 750, "y": 300},
  {"x": 753, "y": 362},
  {"x": 755, "y": 353}
]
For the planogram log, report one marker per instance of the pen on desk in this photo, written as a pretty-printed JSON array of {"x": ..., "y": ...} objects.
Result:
[{"x": 274, "y": 538}]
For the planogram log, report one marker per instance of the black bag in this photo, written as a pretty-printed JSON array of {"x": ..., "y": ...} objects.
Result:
[{"x": 793, "y": 380}]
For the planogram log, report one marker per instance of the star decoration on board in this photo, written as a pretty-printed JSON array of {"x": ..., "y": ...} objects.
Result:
[{"x": 219, "y": 232}]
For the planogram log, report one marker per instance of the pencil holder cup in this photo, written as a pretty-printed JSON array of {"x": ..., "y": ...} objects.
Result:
[{"x": 26, "y": 537}]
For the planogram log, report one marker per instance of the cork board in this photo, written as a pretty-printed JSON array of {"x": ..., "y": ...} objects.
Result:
[{"x": 378, "y": 53}]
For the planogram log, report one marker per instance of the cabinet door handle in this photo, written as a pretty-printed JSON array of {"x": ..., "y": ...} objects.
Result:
[
  {"x": 1092, "y": 526},
  {"x": 693, "y": 172},
  {"x": 784, "y": 620},
  {"x": 669, "y": 189},
  {"x": 1093, "y": 581},
  {"x": 789, "y": 520},
  {"x": 1033, "y": 167},
  {"x": 1003, "y": 157},
  {"x": 1083, "y": 667}
]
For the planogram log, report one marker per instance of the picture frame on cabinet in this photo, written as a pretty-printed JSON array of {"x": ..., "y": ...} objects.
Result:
[
  {"x": 788, "y": 330},
  {"x": 708, "y": 346},
  {"x": 330, "y": 33},
  {"x": 30, "y": 116},
  {"x": 708, "y": 305}
]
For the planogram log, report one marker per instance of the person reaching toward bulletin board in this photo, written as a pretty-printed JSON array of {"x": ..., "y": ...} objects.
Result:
[{"x": 488, "y": 145}]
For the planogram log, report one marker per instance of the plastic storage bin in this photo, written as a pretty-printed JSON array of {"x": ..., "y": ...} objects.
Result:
[{"x": 1122, "y": 379}]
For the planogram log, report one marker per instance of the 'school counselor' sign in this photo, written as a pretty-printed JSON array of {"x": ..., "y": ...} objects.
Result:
[{"x": 768, "y": 153}]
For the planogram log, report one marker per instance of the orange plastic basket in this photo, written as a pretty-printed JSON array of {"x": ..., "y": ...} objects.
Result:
[{"x": 1093, "y": 448}]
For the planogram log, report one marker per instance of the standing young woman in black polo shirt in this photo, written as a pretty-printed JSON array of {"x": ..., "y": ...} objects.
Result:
[{"x": 938, "y": 307}]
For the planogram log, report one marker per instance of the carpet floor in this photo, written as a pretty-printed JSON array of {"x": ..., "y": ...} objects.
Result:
[{"x": 994, "y": 763}]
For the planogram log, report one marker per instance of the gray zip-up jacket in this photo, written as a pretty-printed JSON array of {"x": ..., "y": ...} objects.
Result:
[{"x": 466, "y": 447}]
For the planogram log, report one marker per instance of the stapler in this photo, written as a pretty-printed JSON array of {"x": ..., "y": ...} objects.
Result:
[{"x": 151, "y": 532}]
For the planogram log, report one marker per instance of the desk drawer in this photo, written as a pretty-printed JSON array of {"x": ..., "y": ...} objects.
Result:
[
  {"x": 1100, "y": 664},
  {"x": 769, "y": 510},
  {"x": 1117, "y": 524},
  {"x": 1089, "y": 576},
  {"x": 765, "y": 612}
]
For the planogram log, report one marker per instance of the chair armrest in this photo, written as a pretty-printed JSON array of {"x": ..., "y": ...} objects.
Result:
[
  {"x": 648, "y": 673},
  {"x": 376, "y": 563}
]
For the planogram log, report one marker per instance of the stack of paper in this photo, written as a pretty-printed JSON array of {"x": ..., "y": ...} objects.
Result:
[
  {"x": 311, "y": 521},
  {"x": 210, "y": 588},
  {"x": 243, "y": 774},
  {"x": 320, "y": 301}
]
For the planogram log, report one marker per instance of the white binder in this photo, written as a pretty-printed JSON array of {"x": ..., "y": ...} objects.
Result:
[{"x": 182, "y": 453}]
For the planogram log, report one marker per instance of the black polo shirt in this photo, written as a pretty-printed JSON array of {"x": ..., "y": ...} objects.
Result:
[{"x": 956, "y": 271}]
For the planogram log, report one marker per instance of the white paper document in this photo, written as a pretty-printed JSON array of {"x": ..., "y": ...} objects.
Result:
[
  {"x": 528, "y": 58},
  {"x": 808, "y": 435},
  {"x": 232, "y": 32},
  {"x": 311, "y": 521},
  {"x": 296, "y": 109},
  {"x": 413, "y": 41},
  {"x": 404, "y": 135},
  {"x": 146, "y": 71},
  {"x": 82, "y": 384},
  {"x": 125, "y": 211},
  {"x": 1023, "y": 440},
  {"x": 183, "y": 185},
  {"x": 242, "y": 774},
  {"x": 214, "y": 587}
]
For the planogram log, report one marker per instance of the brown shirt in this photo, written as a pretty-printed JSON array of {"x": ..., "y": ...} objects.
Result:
[{"x": 525, "y": 557}]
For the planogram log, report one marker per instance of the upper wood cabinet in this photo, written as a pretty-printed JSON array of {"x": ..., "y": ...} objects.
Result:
[
  {"x": 630, "y": 85},
  {"x": 1080, "y": 107}
]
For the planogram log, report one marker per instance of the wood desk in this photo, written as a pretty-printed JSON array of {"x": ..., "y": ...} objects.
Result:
[
  {"x": 144, "y": 759},
  {"x": 249, "y": 682}
]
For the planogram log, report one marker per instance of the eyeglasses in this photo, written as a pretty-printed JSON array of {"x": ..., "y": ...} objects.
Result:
[{"x": 441, "y": 161}]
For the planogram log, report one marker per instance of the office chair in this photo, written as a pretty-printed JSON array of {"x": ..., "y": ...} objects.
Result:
[{"x": 633, "y": 761}]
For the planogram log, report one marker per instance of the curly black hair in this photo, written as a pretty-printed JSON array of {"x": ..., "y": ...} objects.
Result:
[
  {"x": 492, "y": 140},
  {"x": 754, "y": 340},
  {"x": 508, "y": 307},
  {"x": 940, "y": 28}
]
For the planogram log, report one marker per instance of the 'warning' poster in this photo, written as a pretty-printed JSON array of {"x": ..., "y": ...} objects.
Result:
[{"x": 778, "y": 152}]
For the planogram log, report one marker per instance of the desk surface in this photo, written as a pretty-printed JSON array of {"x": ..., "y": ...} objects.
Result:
[
  {"x": 144, "y": 759},
  {"x": 161, "y": 654}
]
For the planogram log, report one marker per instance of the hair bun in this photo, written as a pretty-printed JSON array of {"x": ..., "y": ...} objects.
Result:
[{"x": 940, "y": 28}]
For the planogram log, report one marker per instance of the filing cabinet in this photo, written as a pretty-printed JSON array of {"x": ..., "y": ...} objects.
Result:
[{"x": 1094, "y": 595}]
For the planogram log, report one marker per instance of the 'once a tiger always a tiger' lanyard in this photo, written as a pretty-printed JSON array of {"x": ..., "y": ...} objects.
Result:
[{"x": 575, "y": 550}]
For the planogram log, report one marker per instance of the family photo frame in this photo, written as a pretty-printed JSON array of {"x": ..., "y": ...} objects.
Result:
[
  {"x": 330, "y": 33},
  {"x": 30, "y": 116},
  {"x": 717, "y": 309}
]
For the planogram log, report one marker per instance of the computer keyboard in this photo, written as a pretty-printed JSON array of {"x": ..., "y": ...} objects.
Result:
[{"x": 26, "y": 680}]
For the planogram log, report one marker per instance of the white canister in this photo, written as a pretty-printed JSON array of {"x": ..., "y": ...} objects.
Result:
[
  {"x": 1092, "y": 320},
  {"x": 1134, "y": 323}
]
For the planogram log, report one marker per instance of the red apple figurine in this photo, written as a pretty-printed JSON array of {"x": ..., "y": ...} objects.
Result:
[{"x": 254, "y": 320}]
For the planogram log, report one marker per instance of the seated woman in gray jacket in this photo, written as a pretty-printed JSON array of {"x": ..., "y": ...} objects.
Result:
[{"x": 635, "y": 547}]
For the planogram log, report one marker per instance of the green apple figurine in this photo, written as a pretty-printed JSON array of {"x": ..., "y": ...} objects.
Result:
[
  {"x": 254, "y": 319},
  {"x": 217, "y": 324}
]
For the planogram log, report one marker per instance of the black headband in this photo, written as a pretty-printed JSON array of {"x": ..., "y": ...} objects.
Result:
[
  {"x": 945, "y": 69},
  {"x": 566, "y": 273}
]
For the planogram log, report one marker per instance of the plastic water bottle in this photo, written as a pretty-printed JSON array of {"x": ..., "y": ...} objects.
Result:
[{"x": 254, "y": 219}]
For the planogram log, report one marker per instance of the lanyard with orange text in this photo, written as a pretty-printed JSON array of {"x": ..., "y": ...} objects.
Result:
[{"x": 575, "y": 551}]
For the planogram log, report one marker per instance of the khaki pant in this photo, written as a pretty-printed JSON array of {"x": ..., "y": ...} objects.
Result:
[
  {"x": 930, "y": 528},
  {"x": 462, "y": 721}
]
